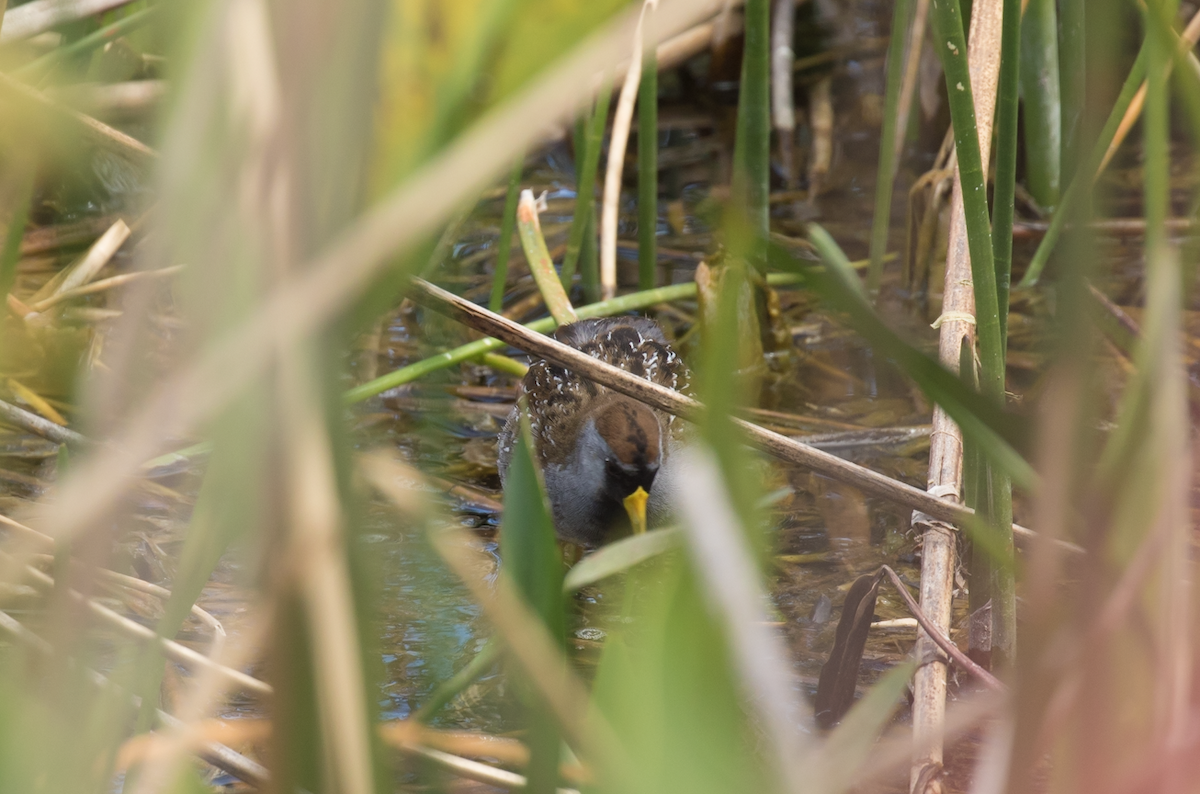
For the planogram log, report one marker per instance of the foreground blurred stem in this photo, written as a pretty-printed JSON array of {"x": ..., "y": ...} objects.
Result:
[
  {"x": 886, "y": 176},
  {"x": 752, "y": 148}
]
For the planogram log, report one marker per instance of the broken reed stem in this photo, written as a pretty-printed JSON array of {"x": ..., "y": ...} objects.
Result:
[
  {"x": 648, "y": 173},
  {"x": 972, "y": 88},
  {"x": 504, "y": 246},
  {"x": 540, "y": 264},
  {"x": 678, "y": 404},
  {"x": 938, "y": 636},
  {"x": 85, "y": 268},
  {"x": 886, "y": 175},
  {"x": 617, "y": 143}
]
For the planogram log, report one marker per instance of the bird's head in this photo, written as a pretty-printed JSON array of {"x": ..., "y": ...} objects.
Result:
[{"x": 634, "y": 447}]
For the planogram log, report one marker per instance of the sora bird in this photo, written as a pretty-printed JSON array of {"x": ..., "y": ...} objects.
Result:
[{"x": 607, "y": 459}]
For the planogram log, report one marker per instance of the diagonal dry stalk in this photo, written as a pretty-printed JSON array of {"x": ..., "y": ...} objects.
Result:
[
  {"x": 673, "y": 402},
  {"x": 938, "y": 558}
]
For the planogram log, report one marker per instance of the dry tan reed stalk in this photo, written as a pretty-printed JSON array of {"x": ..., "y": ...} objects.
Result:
[
  {"x": 334, "y": 277},
  {"x": 316, "y": 567},
  {"x": 215, "y": 753},
  {"x": 618, "y": 140},
  {"x": 172, "y": 650},
  {"x": 86, "y": 267},
  {"x": 820, "y": 116},
  {"x": 96, "y": 132},
  {"x": 185, "y": 736},
  {"x": 473, "y": 770},
  {"x": 938, "y": 556},
  {"x": 102, "y": 285},
  {"x": 540, "y": 264}
]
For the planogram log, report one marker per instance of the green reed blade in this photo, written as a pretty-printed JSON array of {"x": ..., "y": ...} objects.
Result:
[
  {"x": 752, "y": 148},
  {"x": 885, "y": 178},
  {"x": 585, "y": 194},
  {"x": 1043, "y": 111},
  {"x": 1004, "y": 188},
  {"x": 504, "y": 246}
]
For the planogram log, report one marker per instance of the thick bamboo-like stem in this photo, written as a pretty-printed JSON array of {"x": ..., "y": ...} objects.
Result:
[{"x": 946, "y": 448}]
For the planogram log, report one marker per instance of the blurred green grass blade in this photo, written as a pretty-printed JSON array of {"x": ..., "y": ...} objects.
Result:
[
  {"x": 619, "y": 557},
  {"x": 850, "y": 744},
  {"x": 527, "y": 541},
  {"x": 94, "y": 40},
  {"x": 665, "y": 684},
  {"x": 504, "y": 247},
  {"x": 1043, "y": 110},
  {"x": 1081, "y": 185},
  {"x": 648, "y": 171},
  {"x": 586, "y": 163},
  {"x": 752, "y": 147},
  {"x": 1007, "y": 145},
  {"x": 885, "y": 178},
  {"x": 531, "y": 558},
  {"x": 999, "y": 435},
  {"x": 949, "y": 27}
]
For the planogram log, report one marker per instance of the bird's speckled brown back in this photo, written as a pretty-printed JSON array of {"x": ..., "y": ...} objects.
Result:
[{"x": 560, "y": 399}]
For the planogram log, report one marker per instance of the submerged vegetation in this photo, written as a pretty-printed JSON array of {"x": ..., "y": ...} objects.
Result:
[{"x": 274, "y": 273}]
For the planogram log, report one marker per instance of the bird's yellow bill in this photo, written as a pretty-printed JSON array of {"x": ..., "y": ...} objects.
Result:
[{"x": 635, "y": 505}]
